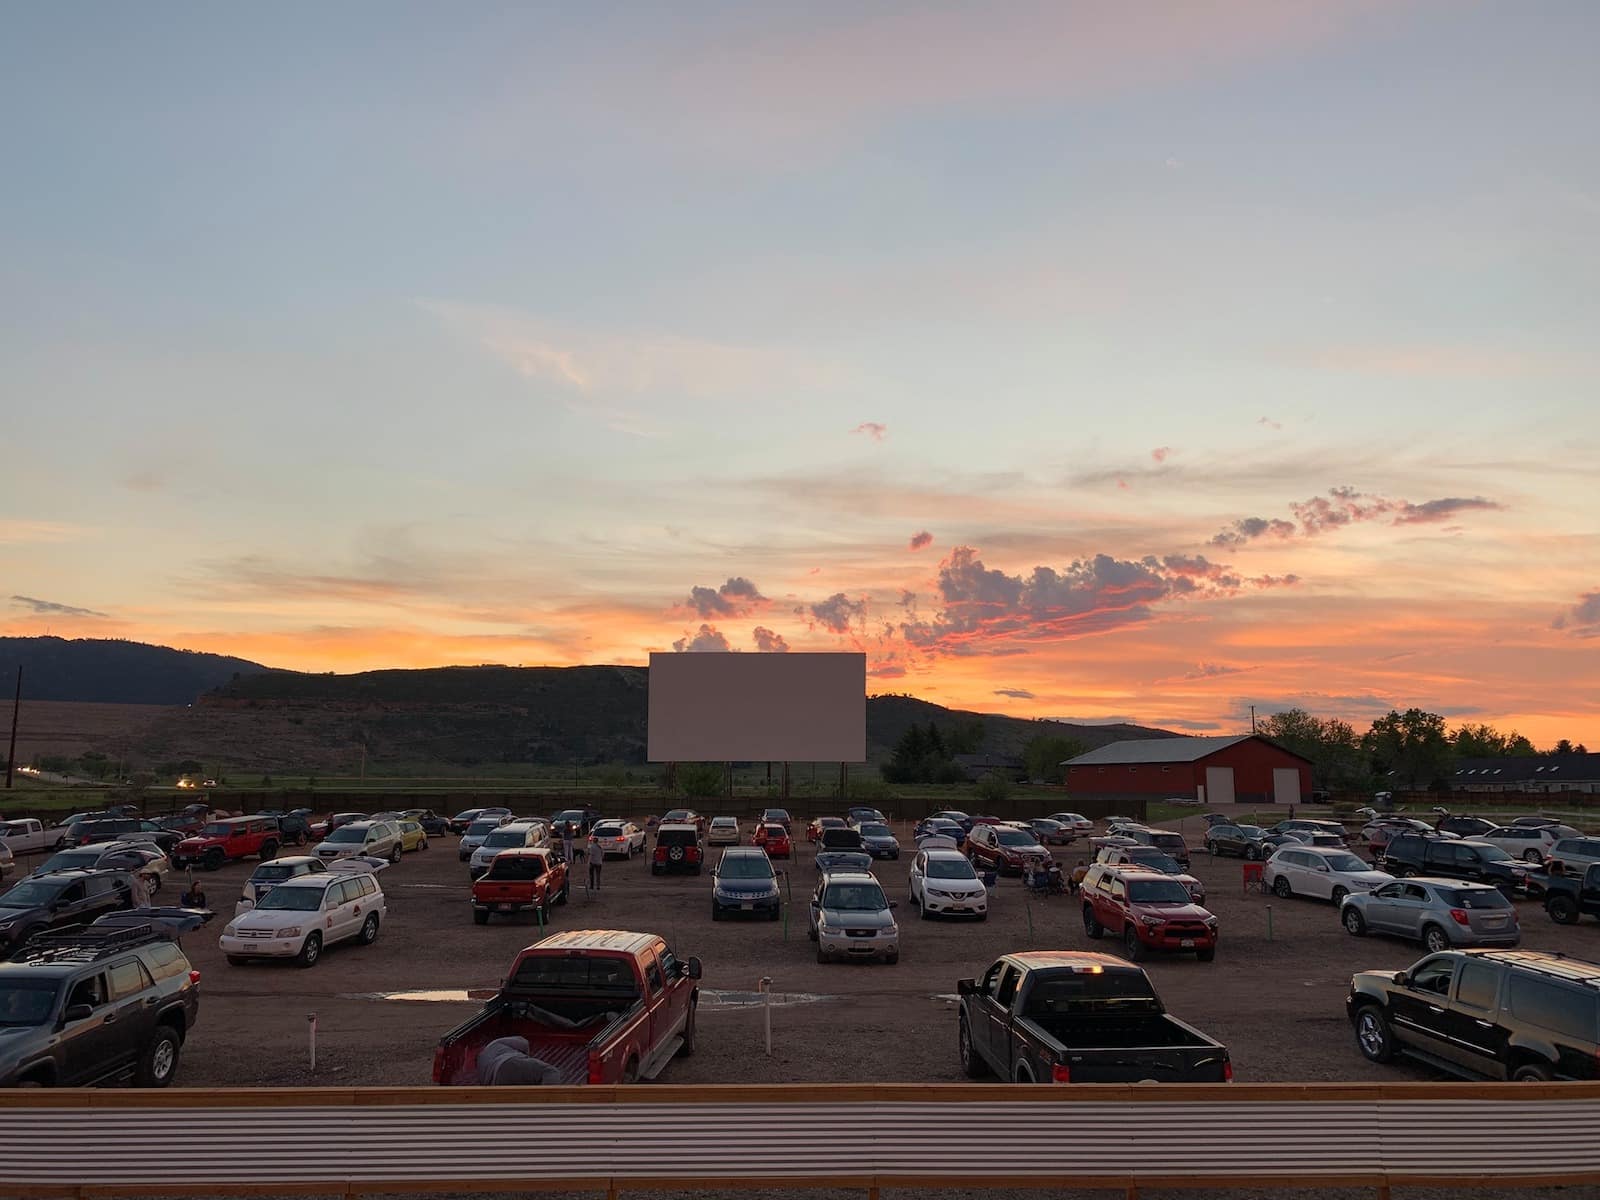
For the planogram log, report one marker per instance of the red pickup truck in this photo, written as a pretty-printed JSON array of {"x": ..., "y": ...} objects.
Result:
[
  {"x": 222, "y": 841},
  {"x": 522, "y": 879},
  {"x": 592, "y": 1006},
  {"x": 1148, "y": 910}
]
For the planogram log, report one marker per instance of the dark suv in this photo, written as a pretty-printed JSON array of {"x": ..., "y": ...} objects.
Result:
[
  {"x": 96, "y": 1003},
  {"x": 1416, "y": 854},
  {"x": 63, "y": 898},
  {"x": 121, "y": 829},
  {"x": 1504, "y": 1014}
]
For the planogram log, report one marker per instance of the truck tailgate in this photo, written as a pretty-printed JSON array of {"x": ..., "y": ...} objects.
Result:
[
  {"x": 1162, "y": 1064},
  {"x": 489, "y": 891}
]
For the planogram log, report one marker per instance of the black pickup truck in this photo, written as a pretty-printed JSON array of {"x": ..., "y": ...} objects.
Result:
[
  {"x": 1567, "y": 897},
  {"x": 1067, "y": 1016}
]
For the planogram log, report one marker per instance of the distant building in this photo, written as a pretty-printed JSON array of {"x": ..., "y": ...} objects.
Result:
[
  {"x": 1216, "y": 771},
  {"x": 1528, "y": 773},
  {"x": 977, "y": 766}
]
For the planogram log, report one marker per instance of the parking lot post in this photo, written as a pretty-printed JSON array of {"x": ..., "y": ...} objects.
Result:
[
  {"x": 311, "y": 1030},
  {"x": 1269, "y": 922},
  {"x": 764, "y": 986}
]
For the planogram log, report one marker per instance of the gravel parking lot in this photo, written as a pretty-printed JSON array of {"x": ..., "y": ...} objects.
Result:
[{"x": 1276, "y": 1003}]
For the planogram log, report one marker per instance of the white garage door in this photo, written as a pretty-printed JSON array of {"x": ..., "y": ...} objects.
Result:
[
  {"x": 1219, "y": 785},
  {"x": 1286, "y": 785}
]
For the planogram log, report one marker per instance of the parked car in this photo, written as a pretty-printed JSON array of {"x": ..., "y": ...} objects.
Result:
[
  {"x": 576, "y": 821},
  {"x": 1573, "y": 855},
  {"x": 223, "y": 841},
  {"x": 1311, "y": 837},
  {"x": 64, "y": 898},
  {"x": 617, "y": 839},
  {"x": 818, "y": 825},
  {"x": 956, "y": 815},
  {"x": 521, "y": 879},
  {"x": 686, "y": 816},
  {"x": 879, "y": 839},
  {"x": 1051, "y": 833},
  {"x": 829, "y": 861},
  {"x": 773, "y": 840},
  {"x": 1310, "y": 825},
  {"x": 25, "y": 835},
  {"x": 1483, "y": 862},
  {"x": 8, "y": 861},
  {"x": 473, "y": 836},
  {"x": 269, "y": 874},
  {"x": 590, "y": 1006},
  {"x": 1523, "y": 1016},
  {"x": 1324, "y": 873},
  {"x": 144, "y": 860},
  {"x": 850, "y": 917},
  {"x": 862, "y": 814},
  {"x": 1245, "y": 841},
  {"x": 1077, "y": 822},
  {"x": 943, "y": 829},
  {"x": 322, "y": 829},
  {"x": 96, "y": 1005},
  {"x": 1154, "y": 859},
  {"x": 1066, "y": 1016},
  {"x": 1148, "y": 910},
  {"x": 1007, "y": 850},
  {"x": 724, "y": 831},
  {"x": 943, "y": 884},
  {"x": 1463, "y": 826},
  {"x": 1569, "y": 895},
  {"x": 843, "y": 838},
  {"x": 432, "y": 824},
  {"x": 1165, "y": 840},
  {"x": 677, "y": 848},
  {"x": 776, "y": 816},
  {"x": 120, "y": 829},
  {"x": 744, "y": 881},
  {"x": 302, "y": 916},
  {"x": 1376, "y": 835},
  {"x": 413, "y": 836},
  {"x": 1536, "y": 822},
  {"x": 515, "y": 835},
  {"x": 373, "y": 839},
  {"x": 1440, "y": 913},
  {"x": 1531, "y": 843},
  {"x": 462, "y": 821}
]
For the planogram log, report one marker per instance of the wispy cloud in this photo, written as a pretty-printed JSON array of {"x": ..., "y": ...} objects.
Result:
[
  {"x": 1269, "y": 423},
  {"x": 1346, "y": 506},
  {"x": 52, "y": 608},
  {"x": 1015, "y": 693},
  {"x": 1161, "y": 453},
  {"x": 1212, "y": 671},
  {"x": 1583, "y": 618},
  {"x": 875, "y": 430},
  {"x": 18, "y": 532}
]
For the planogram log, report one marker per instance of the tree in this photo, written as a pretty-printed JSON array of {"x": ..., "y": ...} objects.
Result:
[
  {"x": 696, "y": 780},
  {"x": 1562, "y": 747},
  {"x": 1337, "y": 759},
  {"x": 1412, "y": 746},
  {"x": 965, "y": 738},
  {"x": 936, "y": 747},
  {"x": 1044, "y": 755},
  {"x": 993, "y": 788}
]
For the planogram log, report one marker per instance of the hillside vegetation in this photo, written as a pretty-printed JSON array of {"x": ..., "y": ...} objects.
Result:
[{"x": 107, "y": 671}]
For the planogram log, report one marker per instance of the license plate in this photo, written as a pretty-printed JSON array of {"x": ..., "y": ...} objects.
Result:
[
  {"x": 746, "y": 905},
  {"x": 1187, "y": 943},
  {"x": 506, "y": 907},
  {"x": 958, "y": 908}
]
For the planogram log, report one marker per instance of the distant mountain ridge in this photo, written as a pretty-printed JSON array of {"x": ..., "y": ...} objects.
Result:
[{"x": 112, "y": 671}]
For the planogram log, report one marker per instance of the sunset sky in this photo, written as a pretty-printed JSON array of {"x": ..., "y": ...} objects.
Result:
[{"x": 1076, "y": 360}]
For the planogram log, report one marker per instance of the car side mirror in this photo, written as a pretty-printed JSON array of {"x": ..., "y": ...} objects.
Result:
[
  {"x": 894, "y": 904},
  {"x": 1402, "y": 979},
  {"x": 695, "y": 969},
  {"x": 78, "y": 1012},
  {"x": 966, "y": 987},
  {"x": 1323, "y": 867}
]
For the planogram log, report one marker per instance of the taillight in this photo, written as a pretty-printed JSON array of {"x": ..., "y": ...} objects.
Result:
[
  {"x": 595, "y": 1073},
  {"x": 1227, "y": 1070},
  {"x": 1460, "y": 916},
  {"x": 194, "y": 976},
  {"x": 1060, "y": 1073},
  {"x": 661, "y": 854}
]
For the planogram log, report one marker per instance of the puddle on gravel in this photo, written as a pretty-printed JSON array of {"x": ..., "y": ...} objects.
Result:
[
  {"x": 436, "y": 995},
  {"x": 711, "y": 998}
]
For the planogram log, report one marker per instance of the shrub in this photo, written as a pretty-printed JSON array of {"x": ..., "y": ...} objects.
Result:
[{"x": 994, "y": 788}]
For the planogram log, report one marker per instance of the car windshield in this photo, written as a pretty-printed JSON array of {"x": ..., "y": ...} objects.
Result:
[
  {"x": 272, "y": 873},
  {"x": 1164, "y": 863},
  {"x": 348, "y": 834},
  {"x": 776, "y": 814},
  {"x": 71, "y": 858},
  {"x": 775, "y": 831},
  {"x": 1344, "y": 862},
  {"x": 843, "y": 860},
  {"x": 723, "y": 822},
  {"x": 27, "y": 1001},
  {"x": 470, "y": 815},
  {"x": 506, "y": 837},
  {"x": 745, "y": 866},
  {"x": 1252, "y": 831},
  {"x": 292, "y": 899},
  {"x": 830, "y": 822},
  {"x": 677, "y": 814},
  {"x": 1014, "y": 837},
  {"x": 950, "y": 868},
  {"x": 26, "y": 895},
  {"x": 1157, "y": 891},
  {"x": 854, "y": 897},
  {"x": 482, "y": 828},
  {"x": 216, "y": 829},
  {"x": 876, "y": 830},
  {"x": 1475, "y": 898},
  {"x": 571, "y": 814}
]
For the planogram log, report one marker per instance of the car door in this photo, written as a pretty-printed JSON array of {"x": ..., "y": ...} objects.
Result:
[
  {"x": 1418, "y": 1008},
  {"x": 919, "y": 867},
  {"x": 991, "y": 1015},
  {"x": 71, "y": 905},
  {"x": 1225, "y": 838},
  {"x": 814, "y": 912},
  {"x": 1478, "y": 1041},
  {"x": 133, "y": 1008},
  {"x": 1406, "y": 910},
  {"x": 343, "y": 903},
  {"x": 1379, "y": 909},
  {"x": 657, "y": 1011},
  {"x": 1315, "y": 874}
]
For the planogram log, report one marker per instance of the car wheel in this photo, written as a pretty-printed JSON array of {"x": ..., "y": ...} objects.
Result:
[
  {"x": 1562, "y": 910},
  {"x": 369, "y": 929},
  {"x": 822, "y": 955},
  {"x": 1532, "y": 856},
  {"x": 566, "y": 890},
  {"x": 1354, "y": 922},
  {"x": 1206, "y": 955},
  {"x": 269, "y": 851},
  {"x": 213, "y": 860},
  {"x": 971, "y": 1062},
  {"x": 394, "y": 855},
  {"x": 152, "y": 884},
  {"x": 159, "y": 1063},
  {"x": 1253, "y": 852},
  {"x": 300, "y": 838},
  {"x": 1434, "y": 939},
  {"x": 480, "y": 916},
  {"x": 1091, "y": 923},
  {"x": 1211, "y": 849},
  {"x": 1531, "y": 1072},
  {"x": 422, "y": 845},
  {"x": 237, "y": 960},
  {"x": 1281, "y": 888},
  {"x": 1339, "y": 893},
  {"x": 892, "y": 957},
  {"x": 1131, "y": 943},
  {"x": 716, "y": 911},
  {"x": 1373, "y": 1036},
  {"x": 310, "y": 951}
]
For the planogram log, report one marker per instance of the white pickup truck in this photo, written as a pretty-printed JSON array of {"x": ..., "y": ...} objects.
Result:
[{"x": 27, "y": 834}]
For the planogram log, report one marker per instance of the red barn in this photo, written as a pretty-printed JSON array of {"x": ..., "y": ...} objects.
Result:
[{"x": 1217, "y": 771}]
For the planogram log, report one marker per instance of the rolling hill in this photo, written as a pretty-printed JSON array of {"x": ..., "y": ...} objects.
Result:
[{"x": 107, "y": 671}]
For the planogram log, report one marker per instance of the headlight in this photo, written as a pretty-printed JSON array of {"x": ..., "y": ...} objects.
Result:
[
  {"x": 892, "y": 931},
  {"x": 291, "y": 931},
  {"x": 1150, "y": 922},
  {"x": 1211, "y": 923},
  {"x": 230, "y": 931}
]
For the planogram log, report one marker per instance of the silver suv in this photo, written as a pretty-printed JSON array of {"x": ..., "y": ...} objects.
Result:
[
  {"x": 850, "y": 918},
  {"x": 1439, "y": 913},
  {"x": 1573, "y": 855}
]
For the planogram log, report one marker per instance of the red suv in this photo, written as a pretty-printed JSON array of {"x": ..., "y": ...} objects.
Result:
[
  {"x": 1005, "y": 848},
  {"x": 222, "y": 841},
  {"x": 677, "y": 849},
  {"x": 1150, "y": 911}
]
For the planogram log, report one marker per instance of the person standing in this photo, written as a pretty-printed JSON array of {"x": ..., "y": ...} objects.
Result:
[
  {"x": 596, "y": 856},
  {"x": 567, "y": 842}
]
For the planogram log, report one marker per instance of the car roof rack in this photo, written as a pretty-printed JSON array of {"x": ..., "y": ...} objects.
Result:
[{"x": 85, "y": 943}]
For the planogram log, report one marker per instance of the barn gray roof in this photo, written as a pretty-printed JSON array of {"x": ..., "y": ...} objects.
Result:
[{"x": 1156, "y": 750}]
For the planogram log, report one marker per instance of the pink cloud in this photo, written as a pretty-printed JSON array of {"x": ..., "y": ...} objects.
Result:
[
  {"x": 921, "y": 540},
  {"x": 1161, "y": 453},
  {"x": 1346, "y": 506},
  {"x": 875, "y": 430}
]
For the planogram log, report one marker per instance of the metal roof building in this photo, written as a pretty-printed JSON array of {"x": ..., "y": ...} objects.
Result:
[{"x": 1244, "y": 769}]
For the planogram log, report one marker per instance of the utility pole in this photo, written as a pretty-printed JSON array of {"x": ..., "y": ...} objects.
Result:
[
  {"x": 16, "y": 706},
  {"x": 1252, "y": 718}
]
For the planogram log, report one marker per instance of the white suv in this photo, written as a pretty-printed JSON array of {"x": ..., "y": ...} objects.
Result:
[
  {"x": 300, "y": 916},
  {"x": 515, "y": 836},
  {"x": 1326, "y": 872},
  {"x": 1530, "y": 843},
  {"x": 943, "y": 881},
  {"x": 371, "y": 839}
]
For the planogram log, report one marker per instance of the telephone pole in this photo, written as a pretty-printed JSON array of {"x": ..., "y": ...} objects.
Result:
[
  {"x": 1252, "y": 718},
  {"x": 11, "y": 754}
]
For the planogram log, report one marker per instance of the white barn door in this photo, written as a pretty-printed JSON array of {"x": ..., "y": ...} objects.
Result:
[
  {"x": 1219, "y": 785},
  {"x": 1285, "y": 785}
]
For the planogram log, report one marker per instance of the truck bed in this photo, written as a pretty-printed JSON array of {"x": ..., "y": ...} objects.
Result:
[
  {"x": 1131, "y": 1049},
  {"x": 1146, "y": 1029},
  {"x": 456, "y": 1062}
]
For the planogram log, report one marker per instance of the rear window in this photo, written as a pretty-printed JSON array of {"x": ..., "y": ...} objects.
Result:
[
  {"x": 1475, "y": 899},
  {"x": 577, "y": 974},
  {"x": 677, "y": 837},
  {"x": 166, "y": 960},
  {"x": 1554, "y": 1006},
  {"x": 1070, "y": 994},
  {"x": 515, "y": 868},
  {"x": 1172, "y": 840}
]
